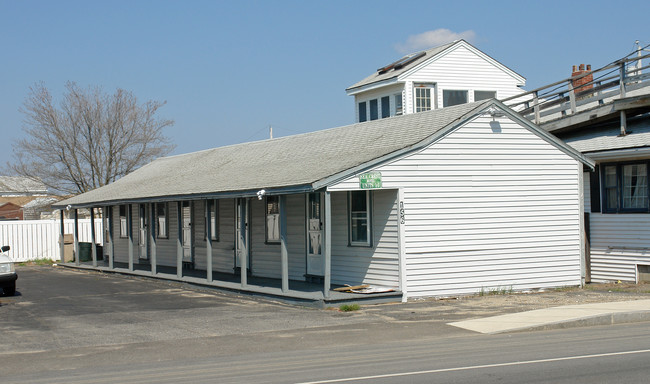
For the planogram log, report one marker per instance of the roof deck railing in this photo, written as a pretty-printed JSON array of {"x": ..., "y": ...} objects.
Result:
[{"x": 620, "y": 79}]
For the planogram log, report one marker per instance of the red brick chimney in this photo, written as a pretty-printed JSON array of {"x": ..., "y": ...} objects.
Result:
[{"x": 588, "y": 79}]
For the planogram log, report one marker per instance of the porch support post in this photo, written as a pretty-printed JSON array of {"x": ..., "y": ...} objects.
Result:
[
  {"x": 129, "y": 235},
  {"x": 327, "y": 245},
  {"x": 152, "y": 237},
  {"x": 208, "y": 240},
  {"x": 179, "y": 240},
  {"x": 129, "y": 231},
  {"x": 401, "y": 222},
  {"x": 62, "y": 236},
  {"x": 93, "y": 248},
  {"x": 284, "y": 254},
  {"x": 243, "y": 254},
  {"x": 581, "y": 199},
  {"x": 76, "y": 238},
  {"x": 111, "y": 238}
]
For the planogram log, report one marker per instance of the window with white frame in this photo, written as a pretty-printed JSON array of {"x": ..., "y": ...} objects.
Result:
[
  {"x": 374, "y": 109},
  {"x": 453, "y": 97},
  {"x": 363, "y": 114},
  {"x": 162, "y": 220},
  {"x": 625, "y": 187},
  {"x": 272, "y": 219},
  {"x": 484, "y": 95},
  {"x": 423, "y": 98},
  {"x": 123, "y": 225},
  {"x": 398, "y": 104},
  {"x": 385, "y": 107},
  {"x": 212, "y": 210},
  {"x": 359, "y": 222}
]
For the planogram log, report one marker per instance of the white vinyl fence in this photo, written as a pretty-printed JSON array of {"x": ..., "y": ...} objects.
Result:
[{"x": 39, "y": 239}]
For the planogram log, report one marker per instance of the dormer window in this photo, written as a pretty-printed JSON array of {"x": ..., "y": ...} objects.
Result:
[
  {"x": 363, "y": 115},
  {"x": 483, "y": 95},
  {"x": 453, "y": 97},
  {"x": 374, "y": 109},
  {"x": 398, "y": 105},
  {"x": 424, "y": 97},
  {"x": 385, "y": 107}
]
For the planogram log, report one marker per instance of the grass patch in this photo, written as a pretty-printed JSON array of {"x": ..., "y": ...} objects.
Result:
[
  {"x": 495, "y": 291},
  {"x": 349, "y": 307},
  {"x": 36, "y": 262}
]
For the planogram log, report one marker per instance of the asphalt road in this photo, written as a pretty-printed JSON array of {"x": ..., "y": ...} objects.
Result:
[
  {"x": 616, "y": 354},
  {"x": 83, "y": 327}
]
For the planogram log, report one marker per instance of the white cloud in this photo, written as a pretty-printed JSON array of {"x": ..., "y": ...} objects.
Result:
[{"x": 431, "y": 39}]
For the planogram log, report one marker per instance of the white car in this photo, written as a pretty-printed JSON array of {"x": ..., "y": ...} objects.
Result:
[{"x": 8, "y": 274}]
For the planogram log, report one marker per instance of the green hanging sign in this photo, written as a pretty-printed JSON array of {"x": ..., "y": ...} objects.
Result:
[{"x": 370, "y": 180}]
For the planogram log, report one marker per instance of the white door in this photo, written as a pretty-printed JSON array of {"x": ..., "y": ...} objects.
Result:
[
  {"x": 315, "y": 262},
  {"x": 187, "y": 231},
  {"x": 143, "y": 232},
  {"x": 241, "y": 226}
]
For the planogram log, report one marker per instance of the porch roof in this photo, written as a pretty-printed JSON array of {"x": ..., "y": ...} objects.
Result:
[{"x": 293, "y": 164}]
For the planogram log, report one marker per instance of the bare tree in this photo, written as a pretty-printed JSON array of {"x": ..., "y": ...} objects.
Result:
[{"x": 89, "y": 140}]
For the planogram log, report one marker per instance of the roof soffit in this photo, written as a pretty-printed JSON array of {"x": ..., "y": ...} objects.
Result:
[{"x": 372, "y": 86}]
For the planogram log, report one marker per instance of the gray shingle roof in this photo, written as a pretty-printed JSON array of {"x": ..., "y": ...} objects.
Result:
[
  {"x": 377, "y": 77},
  {"x": 293, "y": 161},
  {"x": 19, "y": 184},
  {"x": 608, "y": 137}
]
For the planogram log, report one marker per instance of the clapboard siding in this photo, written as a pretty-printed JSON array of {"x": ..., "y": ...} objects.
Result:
[
  {"x": 167, "y": 248},
  {"x": 376, "y": 265},
  {"x": 121, "y": 243},
  {"x": 223, "y": 251},
  {"x": 198, "y": 232},
  {"x": 265, "y": 256},
  {"x": 487, "y": 209},
  {"x": 618, "y": 243},
  {"x": 296, "y": 236},
  {"x": 461, "y": 69}
]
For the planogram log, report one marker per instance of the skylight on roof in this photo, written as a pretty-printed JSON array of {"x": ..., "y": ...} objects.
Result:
[{"x": 401, "y": 63}]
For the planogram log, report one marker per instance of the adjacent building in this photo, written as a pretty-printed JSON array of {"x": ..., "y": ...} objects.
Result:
[
  {"x": 22, "y": 198},
  {"x": 451, "y": 74},
  {"x": 605, "y": 114}
]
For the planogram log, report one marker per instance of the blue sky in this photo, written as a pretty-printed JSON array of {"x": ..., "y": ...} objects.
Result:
[{"x": 230, "y": 69}]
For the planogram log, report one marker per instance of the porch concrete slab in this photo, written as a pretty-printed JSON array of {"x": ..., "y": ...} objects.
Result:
[
  {"x": 300, "y": 292},
  {"x": 561, "y": 317}
]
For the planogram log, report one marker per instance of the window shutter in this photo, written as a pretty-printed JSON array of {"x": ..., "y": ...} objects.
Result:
[{"x": 594, "y": 188}]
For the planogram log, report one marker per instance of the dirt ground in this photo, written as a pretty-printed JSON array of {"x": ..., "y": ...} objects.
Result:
[
  {"x": 591, "y": 293},
  {"x": 492, "y": 304}
]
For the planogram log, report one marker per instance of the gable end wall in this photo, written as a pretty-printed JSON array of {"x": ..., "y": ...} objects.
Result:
[
  {"x": 487, "y": 210},
  {"x": 461, "y": 69}
]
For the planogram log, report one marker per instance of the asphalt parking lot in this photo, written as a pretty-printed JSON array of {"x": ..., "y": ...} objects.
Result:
[
  {"x": 57, "y": 308},
  {"x": 73, "y": 319}
]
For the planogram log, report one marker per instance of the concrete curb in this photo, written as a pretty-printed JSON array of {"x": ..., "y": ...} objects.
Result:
[
  {"x": 567, "y": 316},
  {"x": 609, "y": 319}
]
